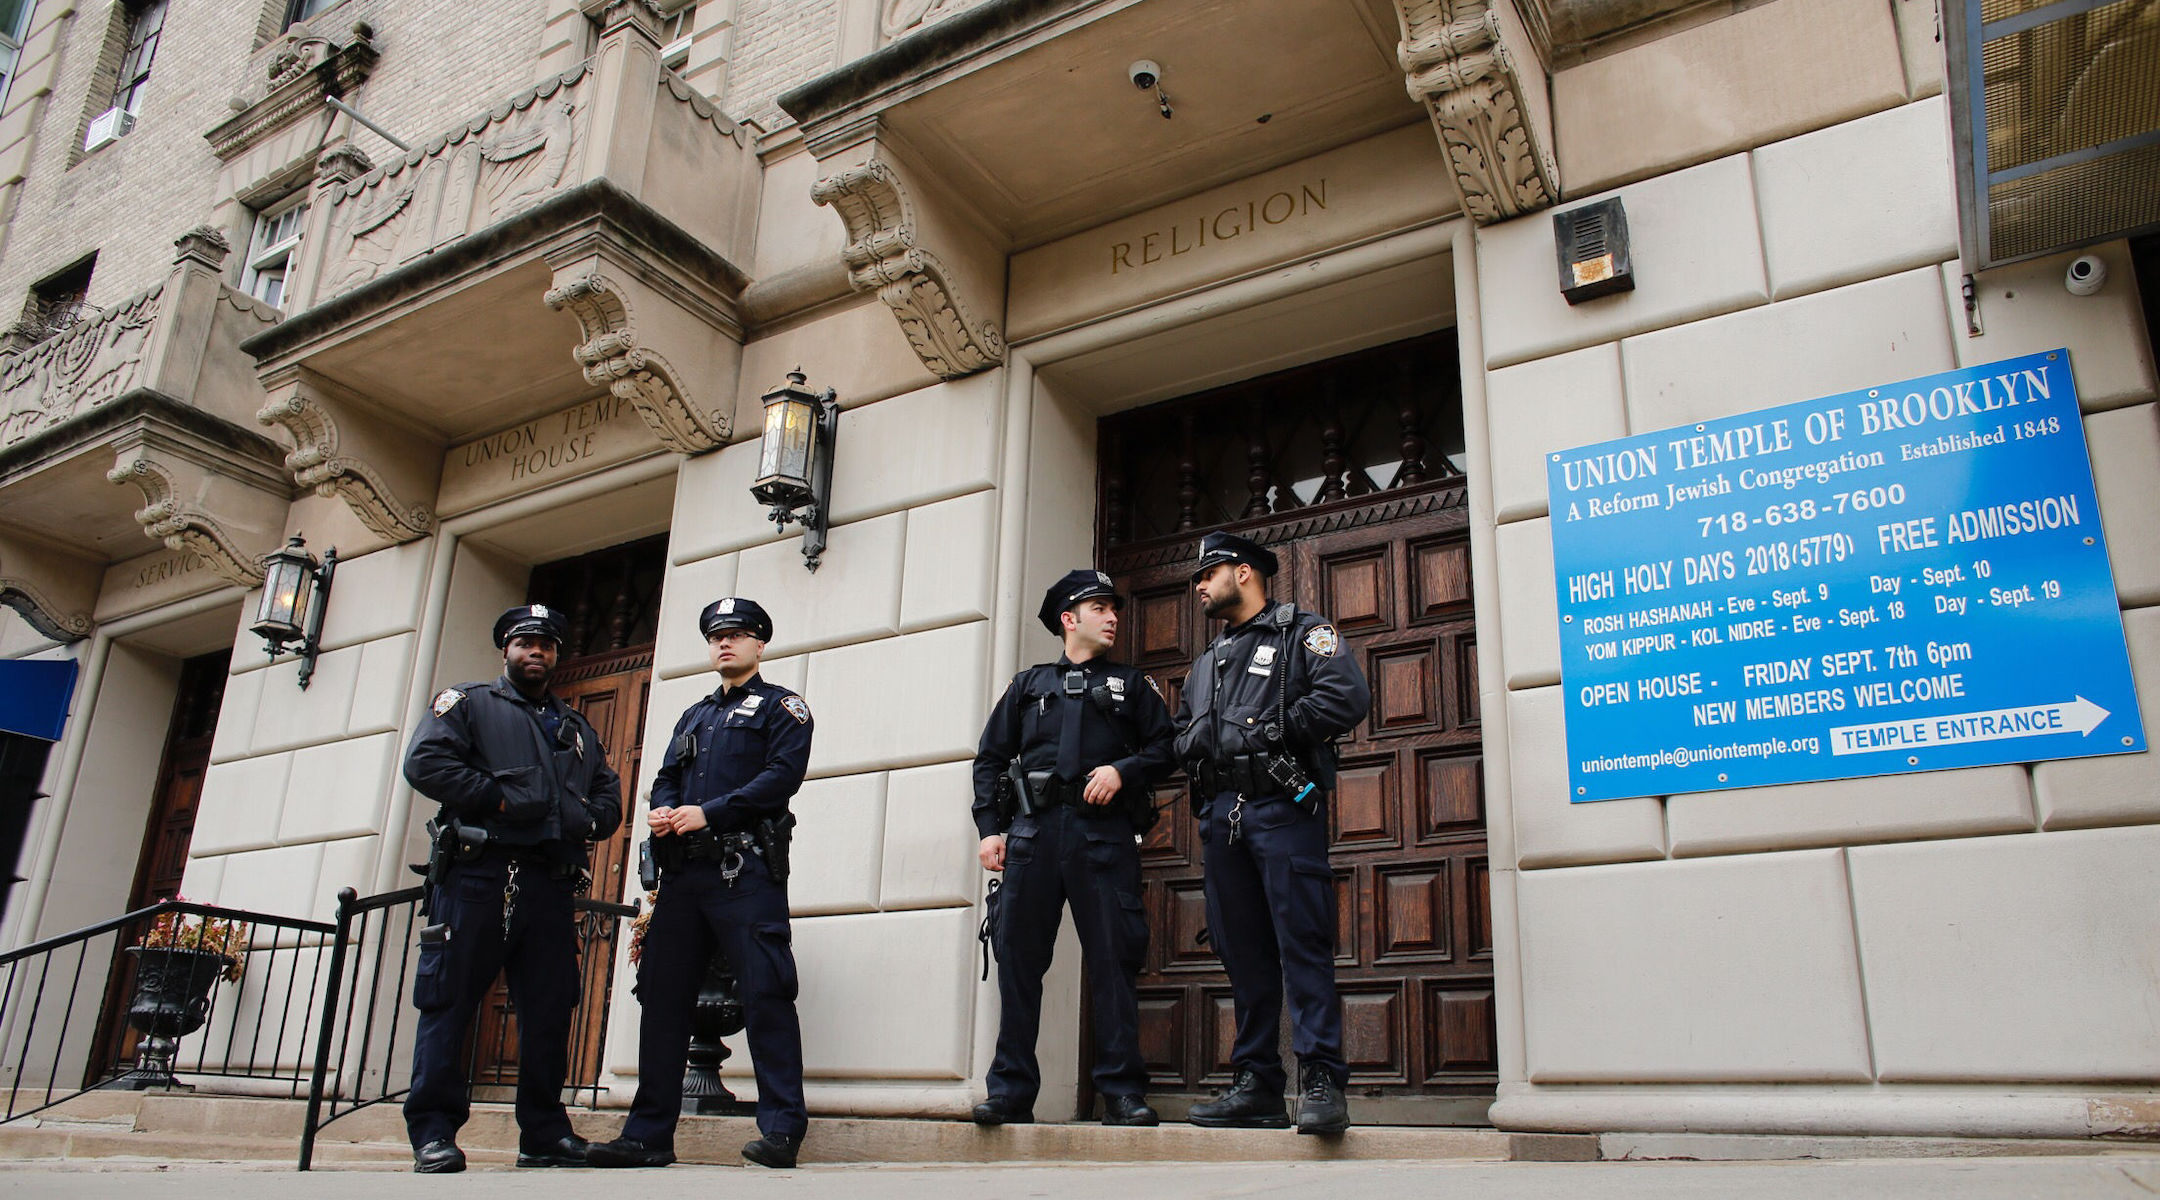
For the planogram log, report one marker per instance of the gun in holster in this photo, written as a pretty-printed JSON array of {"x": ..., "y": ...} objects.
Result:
[
  {"x": 648, "y": 871},
  {"x": 1017, "y": 799},
  {"x": 773, "y": 836},
  {"x": 448, "y": 842}
]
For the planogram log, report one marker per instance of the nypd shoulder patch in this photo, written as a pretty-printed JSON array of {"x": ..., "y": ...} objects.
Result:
[
  {"x": 447, "y": 699},
  {"x": 1153, "y": 686},
  {"x": 797, "y": 708},
  {"x": 1321, "y": 640}
]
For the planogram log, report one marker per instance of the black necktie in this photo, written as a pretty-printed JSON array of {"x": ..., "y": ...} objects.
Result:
[{"x": 1068, "y": 759}]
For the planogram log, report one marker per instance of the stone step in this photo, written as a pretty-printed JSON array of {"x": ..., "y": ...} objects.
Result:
[{"x": 231, "y": 1128}]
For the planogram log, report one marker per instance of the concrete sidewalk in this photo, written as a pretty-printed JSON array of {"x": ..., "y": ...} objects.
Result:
[{"x": 2105, "y": 1176}]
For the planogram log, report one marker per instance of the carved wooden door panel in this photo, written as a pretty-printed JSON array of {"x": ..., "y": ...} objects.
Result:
[
  {"x": 171, "y": 827},
  {"x": 611, "y": 690},
  {"x": 1414, "y": 944}
]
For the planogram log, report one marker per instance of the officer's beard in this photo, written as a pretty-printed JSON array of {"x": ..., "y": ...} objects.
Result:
[
  {"x": 530, "y": 675},
  {"x": 1219, "y": 606}
]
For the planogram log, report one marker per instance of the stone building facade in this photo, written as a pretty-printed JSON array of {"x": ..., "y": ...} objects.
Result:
[{"x": 541, "y": 329}]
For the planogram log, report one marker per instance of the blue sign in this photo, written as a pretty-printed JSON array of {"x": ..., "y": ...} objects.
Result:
[
  {"x": 34, "y": 694},
  {"x": 1906, "y": 578}
]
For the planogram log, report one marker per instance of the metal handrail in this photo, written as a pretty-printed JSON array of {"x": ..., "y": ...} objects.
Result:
[
  {"x": 154, "y": 911},
  {"x": 377, "y": 1022},
  {"x": 68, "y": 1015}
]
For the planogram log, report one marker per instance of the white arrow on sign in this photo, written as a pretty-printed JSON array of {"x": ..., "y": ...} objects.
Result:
[{"x": 2080, "y": 715}]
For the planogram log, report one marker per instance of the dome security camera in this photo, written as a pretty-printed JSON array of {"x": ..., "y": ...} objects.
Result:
[
  {"x": 2087, "y": 274},
  {"x": 1145, "y": 73}
]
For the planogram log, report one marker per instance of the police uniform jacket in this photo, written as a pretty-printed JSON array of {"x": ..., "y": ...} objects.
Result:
[
  {"x": 1232, "y": 699},
  {"x": 530, "y": 774},
  {"x": 1123, "y": 722},
  {"x": 739, "y": 754}
]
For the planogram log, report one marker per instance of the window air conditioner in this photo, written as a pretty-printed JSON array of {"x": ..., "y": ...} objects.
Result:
[{"x": 108, "y": 126}]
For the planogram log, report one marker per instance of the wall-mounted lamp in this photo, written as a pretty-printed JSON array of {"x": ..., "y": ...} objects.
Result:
[
  {"x": 296, "y": 590},
  {"x": 795, "y": 462}
]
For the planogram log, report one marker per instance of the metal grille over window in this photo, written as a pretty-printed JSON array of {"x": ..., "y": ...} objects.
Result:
[
  {"x": 2057, "y": 120},
  {"x": 270, "y": 253},
  {"x": 1346, "y": 429}
]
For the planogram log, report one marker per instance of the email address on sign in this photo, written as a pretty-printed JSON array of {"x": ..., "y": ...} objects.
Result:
[{"x": 1687, "y": 756}]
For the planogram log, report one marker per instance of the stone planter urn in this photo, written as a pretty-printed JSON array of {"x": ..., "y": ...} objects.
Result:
[{"x": 172, "y": 1000}]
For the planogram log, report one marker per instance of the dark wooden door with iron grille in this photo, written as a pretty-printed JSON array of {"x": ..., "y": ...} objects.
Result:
[
  {"x": 1377, "y": 540},
  {"x": 612, "y": 599}
]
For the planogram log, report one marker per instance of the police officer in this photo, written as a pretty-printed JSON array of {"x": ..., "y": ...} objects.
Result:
[
  {"x": 1073, "y": 745},
  {"x": 524, "y": 785},
  {"x": 719, "y": 825},
  {"x": 1256, "y": 727}
]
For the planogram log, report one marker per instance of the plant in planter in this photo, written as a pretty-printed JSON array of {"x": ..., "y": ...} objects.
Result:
[{"x": 178, "y": 959}]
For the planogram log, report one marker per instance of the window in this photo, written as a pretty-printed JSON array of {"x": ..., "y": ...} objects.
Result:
[
  {"x": 59, "y": 300},
  {"x": 14, "y": 19},
  {"x": 301, "y": 10},
  {"x": 675, "y": 37},
  {"x": 145, "y": 23},
  {"x": 270, "y": 251}
]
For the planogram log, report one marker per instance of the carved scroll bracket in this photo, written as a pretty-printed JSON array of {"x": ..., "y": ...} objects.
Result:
[
  {"x": 1485, "y": 100},
  {"x": 885, "y": 253},
  {"x": 646, "y": 335},
  {"x": 199, "y": 497},
  {"x": 53, "y": 591},
  {"x": 343, "y": 450}
]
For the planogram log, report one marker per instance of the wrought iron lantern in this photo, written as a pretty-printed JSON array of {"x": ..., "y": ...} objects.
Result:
[
  {"x": 296, "y": 590},
  {"x": 795, "y": 460}
]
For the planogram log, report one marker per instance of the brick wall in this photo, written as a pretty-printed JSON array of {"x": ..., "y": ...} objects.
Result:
[
  {"x": 779, "y": 44},
  {"x": 442, "y": 61}
]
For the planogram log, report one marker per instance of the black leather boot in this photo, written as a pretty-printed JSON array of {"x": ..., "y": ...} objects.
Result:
[
  {"x": 1128, "y": 1110},
  {"x": 776, "y": 1150},
  {"x": 439, "y": 1157},
  {"x": 1245, "y": 1104},
  {"x": 1002, "y": 1110},
  {"x": 1322, "y": 1108},
  {"x": 627, "y": 1152}
]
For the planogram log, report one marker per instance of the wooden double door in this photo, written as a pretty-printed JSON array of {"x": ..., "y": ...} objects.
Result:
[{"x": 1407, "y": 822}]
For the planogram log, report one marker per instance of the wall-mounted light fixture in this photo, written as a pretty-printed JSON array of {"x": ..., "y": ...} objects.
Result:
[
  {"x": 296, "y": 590},
  {"x": 795, "y": 461},
  {"x": 1594, "y": 255}
]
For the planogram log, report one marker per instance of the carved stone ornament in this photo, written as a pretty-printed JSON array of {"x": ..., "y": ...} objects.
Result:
[
  {"x": 169, "y": 517},
  {"x": 492, "y": 167},
  {"x": 36, "y": 608},
  {"x": 613, "y": 359},
  {"x": 903, "y": 17},
  {"x": 300, "y": 71},
  {"x": 317, "y": 463},
  {"x": 90, "y": 365},
  {"x": 1460, "y": 70},
  {"x": 882, "y": 253}
]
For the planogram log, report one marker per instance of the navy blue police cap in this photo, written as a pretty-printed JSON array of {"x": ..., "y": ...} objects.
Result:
[
  {"x": 1216, "y": 548},
  {"x": 1076, "y": 586},
  {"x": 734, "y": 612},
  {"x": 529, "y": 620}
]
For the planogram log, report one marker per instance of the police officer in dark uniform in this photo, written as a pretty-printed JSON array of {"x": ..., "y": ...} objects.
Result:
[
  {"x": 524, "y": 785},
  {"x": 1256, "y": 726},
  {"x": 1071, "y": 750},
  {"x": 720, "y": 826}
]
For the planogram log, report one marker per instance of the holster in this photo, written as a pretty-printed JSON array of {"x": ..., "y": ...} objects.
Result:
[
  {"x": 773, "y": 836},
  {"x": 648, "y": 867},
  {"x": 1023, "y": 797}
]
